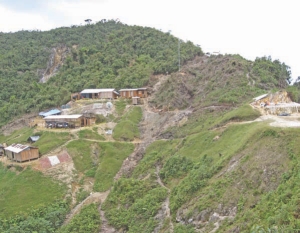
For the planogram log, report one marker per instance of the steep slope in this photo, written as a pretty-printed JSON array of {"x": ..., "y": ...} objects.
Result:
[{"x": 218, "y": 177}]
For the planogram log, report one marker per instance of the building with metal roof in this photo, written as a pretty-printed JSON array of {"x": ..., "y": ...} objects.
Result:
[
  {"x": 50, "y": 113},
  {"x": 108, "y": 93},
  {"x": 136, "y": 92},
  {"x": 33, "y": 139},
  {"x": 21, "y": 153}
]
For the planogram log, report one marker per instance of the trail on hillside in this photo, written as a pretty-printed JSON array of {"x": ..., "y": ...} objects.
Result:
[
  {"x": 97, "y": 197},
  {"x": 165, "y": 206}
]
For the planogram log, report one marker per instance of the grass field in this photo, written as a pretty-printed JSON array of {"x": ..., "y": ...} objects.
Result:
[
  {"x": 111, "y": 159},
  {"x": 51, "y": 140},
  {"x": 127, "y": 128},
  {"x": 18, "y": 136},
  {"x": 99, "y": 159},
  {"x": 89, "y": 134},
  {"x": 20, "y": 192}
]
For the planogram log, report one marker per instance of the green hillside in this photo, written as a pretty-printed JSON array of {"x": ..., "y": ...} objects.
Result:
[
  {"x": 103, "y": 55},
  {"x": 192, "y": 158}
]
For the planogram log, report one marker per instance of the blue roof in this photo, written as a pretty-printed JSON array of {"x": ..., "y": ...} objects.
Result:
[
  {"x": 34, "y": 138},
  {"x": 50, "y": 113}
]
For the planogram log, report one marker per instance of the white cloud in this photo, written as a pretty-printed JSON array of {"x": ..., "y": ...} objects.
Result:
[
  {"x": 12, "y": 21},
  {"x": 249, "y": 28}
]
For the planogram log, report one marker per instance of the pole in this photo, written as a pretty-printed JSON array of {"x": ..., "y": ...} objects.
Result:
[{"x": 179, "y": 53}]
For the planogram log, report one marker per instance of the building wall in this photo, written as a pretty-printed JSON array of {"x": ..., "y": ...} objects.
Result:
[
  {"x": 142, "y": 93},
  {"x": 128, "y": 94}
]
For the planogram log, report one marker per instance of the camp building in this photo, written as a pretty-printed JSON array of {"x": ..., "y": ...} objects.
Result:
[
  {"x": 21, "y": 153},
  {"x": 69, "y": 121},
  {"x": 109, "y": 93},
  {"x": 129, "y": 93}
]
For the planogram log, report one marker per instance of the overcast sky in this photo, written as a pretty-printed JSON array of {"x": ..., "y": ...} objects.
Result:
[{"x": 252, "y": 29}]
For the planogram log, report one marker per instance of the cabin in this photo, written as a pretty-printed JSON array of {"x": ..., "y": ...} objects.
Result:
[
  {"x": 21, "y": 153},
  {"x": 1, "y": 150},
  {"x": 109, "y": 93},
  {"x": 129, "y": 93},
  {"x": 53, "y": 112}
]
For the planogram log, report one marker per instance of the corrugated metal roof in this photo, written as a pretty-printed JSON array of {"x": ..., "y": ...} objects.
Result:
[
  {"x": 260, "y": 97},
  {"x": 34, "y": 138},
  {"x": 91, "y": 91},
  {"x": 128, "y": 90},
  {"x": 49, "y": 113},
  {"x": 16, "y": 148},
  {"x": 63, "y": 117}
]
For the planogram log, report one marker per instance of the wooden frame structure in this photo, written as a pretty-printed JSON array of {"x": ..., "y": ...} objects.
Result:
[
  {"x": 109, "y": 93},
  {"x": 137, "y": 92},
  {"x": 21, "y": 153}
]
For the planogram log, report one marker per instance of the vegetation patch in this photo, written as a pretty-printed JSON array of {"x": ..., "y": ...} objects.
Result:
[
  {"x": 50, "y": 140},
  {"x": 127, "y": 128},
  {"x": 156, "y": 155},
  {"x": 89, "y": 134},
  {"x": 47, "y": 218},
  {"x": 88, "y": 220},
  {"x": 132, "y": 205},
  {"x": 26, "y": 190},
  {"x": 112, "y": 155},
  {"x": 18, "y": 136},
  {"x": 81, "y": 153}
]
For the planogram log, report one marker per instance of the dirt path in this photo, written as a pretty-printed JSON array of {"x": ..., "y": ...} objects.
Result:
[
  {"x": 165, "y": 206},
  {"x": 92, "y": 198}
]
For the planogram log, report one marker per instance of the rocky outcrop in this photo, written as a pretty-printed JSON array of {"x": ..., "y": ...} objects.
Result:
[{"x": 56, "y": 60}]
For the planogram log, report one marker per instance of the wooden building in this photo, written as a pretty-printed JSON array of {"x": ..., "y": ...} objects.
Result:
[
  {"x": 109, "y": 93},
  {"x": 129, "y": 93},
  {"x": 70, "y": 121},
  {"x": 63, "y": 121},
  {"x": 21, "y": 153}
]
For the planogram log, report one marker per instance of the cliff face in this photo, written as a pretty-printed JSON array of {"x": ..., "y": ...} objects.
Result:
[{"x": 56, "y": 60}]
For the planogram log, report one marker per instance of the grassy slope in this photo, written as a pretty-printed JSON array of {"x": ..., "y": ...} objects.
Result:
[
  {"x": 101, "y": 160},
  {"x": 46, "y": 142},
  {"x": 28, "y": 189},
  {"x": 127, "y": 128},
  {"x": 89, "y": 134}
]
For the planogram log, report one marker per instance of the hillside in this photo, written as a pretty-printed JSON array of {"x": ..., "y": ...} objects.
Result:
[
  {"x": 195, "y": 156},
  {"x": 107, "y": 54}
]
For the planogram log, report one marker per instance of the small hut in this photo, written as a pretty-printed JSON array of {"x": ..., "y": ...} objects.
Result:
[{"x": 21, "y": 153}]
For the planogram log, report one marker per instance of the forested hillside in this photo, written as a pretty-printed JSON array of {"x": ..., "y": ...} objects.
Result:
[
  {"x": 194, "y": 156},
  {"x": 107, "y": 54}
]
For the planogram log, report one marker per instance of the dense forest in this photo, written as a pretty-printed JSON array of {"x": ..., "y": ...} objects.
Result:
[{"x": 107, "y": 54}]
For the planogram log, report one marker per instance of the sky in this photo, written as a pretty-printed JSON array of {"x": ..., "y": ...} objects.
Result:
[{"x": 252, "y": 29}]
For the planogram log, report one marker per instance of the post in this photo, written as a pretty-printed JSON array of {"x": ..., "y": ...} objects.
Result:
[{"x": 179, "y": 54}]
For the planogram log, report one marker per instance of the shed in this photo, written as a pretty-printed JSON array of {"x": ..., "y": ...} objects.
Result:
[
  {"x": 21, "y": 153},
  {"x": 137, "y": 92},
  {"x": 1, "y": 150},
  {"x": 33, "y": 139},
  {"x": 63, "y": 121},
  {"x": 52, "y": 112},
  {"x": 135, "y": 100},
  {"x": 109, "y": 93}
]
